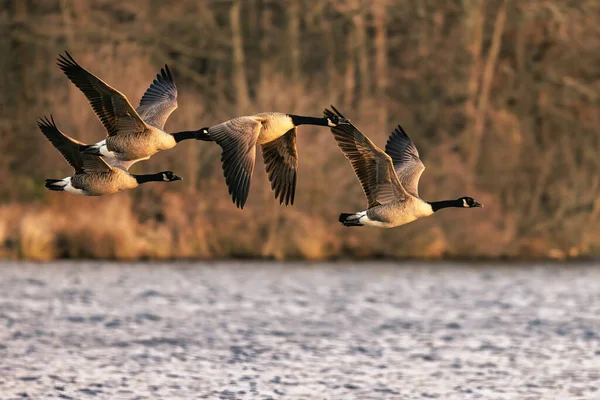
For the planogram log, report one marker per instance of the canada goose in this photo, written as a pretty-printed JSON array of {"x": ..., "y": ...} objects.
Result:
[
  {"x": 389, "y": 179},
  {"x": 276, "y": 132},
  {"x": 133, "y": 135},
  {"x": 93, "y": 176}
]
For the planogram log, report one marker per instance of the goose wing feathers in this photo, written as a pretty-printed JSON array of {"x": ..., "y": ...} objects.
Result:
[
  {"x": 160, "y": 99},
  {"x": 94, "y": 164},
  {"x": 372, "y": 166},
  {"x": 111, "y": 106},
  {"x": 237, "y": 138},
  {"x": 405, "y": 158},
  {"x": 281, "y": 162},
  {"x": 69, "y": 148}
]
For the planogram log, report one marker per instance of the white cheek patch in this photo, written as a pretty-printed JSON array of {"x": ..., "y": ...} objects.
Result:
[{"x": 465, "y": 203}]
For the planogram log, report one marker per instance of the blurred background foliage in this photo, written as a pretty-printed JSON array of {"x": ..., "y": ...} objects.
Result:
[{"x": 501, "y": 97}]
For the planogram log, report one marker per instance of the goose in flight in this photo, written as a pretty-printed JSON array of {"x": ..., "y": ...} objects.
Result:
[
  {"x": 93, "y": 176},
  {"x": 133, "y": 134},
  {"x": 276, "y": 133},
  {"x": 389, "y": 179}
]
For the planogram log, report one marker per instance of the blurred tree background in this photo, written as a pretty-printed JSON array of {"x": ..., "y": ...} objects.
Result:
[{"x": 501, "y": 97}]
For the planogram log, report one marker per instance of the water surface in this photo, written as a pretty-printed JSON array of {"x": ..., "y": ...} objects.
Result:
[{"x": 299, "y": 331}]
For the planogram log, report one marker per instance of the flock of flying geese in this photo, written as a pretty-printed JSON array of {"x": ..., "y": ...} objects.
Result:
[{"x": 389, "y": 178}]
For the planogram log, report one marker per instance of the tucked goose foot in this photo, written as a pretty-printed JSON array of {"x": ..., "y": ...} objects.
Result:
[{"x": 350, "y": 219}]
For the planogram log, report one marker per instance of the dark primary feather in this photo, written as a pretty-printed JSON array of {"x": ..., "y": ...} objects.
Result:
[
  {"x": 405, "y": 158},
  {"x": 237, "y": 138},
  {"x": 329, "y": 113},
  {"x": 281, "y": 162},
  {"x": 162, "y": 88},
  {"x": 111, "y": 106},
  {"x": 372, "y": 166},
  {"x": 69, "y": 148},
  {"x": 159, "y": 100}
]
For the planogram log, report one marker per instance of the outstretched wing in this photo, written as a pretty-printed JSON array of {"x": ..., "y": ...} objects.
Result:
[
  {"x": 94, "y": 164},
  {"x": 405, "y": 158},
  {"x": 281, "y": 162},
  {"x": 111, "y": 106},
  {"x": 237, "y": 138},
  {"x": 372, "y": 166},
  {"x": 160, "y": 99},
  {"x": 68, "y": 147}
]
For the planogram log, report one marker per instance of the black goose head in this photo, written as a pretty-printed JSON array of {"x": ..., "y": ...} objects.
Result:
[
  {"x": 331, "y": 121},
  {"x": 463, "y": 202},
  {"x": 469, "y": 202},
  {"x": 164, "y": 176},
  {"x": 334, "y": 120},
  {"x": 168, "y": 176}
]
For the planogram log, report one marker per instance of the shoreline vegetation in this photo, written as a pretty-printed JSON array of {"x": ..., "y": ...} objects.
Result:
[{"x": 502, "y": 98}]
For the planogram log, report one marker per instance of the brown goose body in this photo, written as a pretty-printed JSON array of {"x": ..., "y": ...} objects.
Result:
[
  {"x": 133, "y": 134},
  {"x": 276, "y": 133},
  {"x": 139, "y": 146},
  {"x": 398, "y": 212},
  {"x": 93, "y": 176},
  {"x": 102, "y": 183},
  {"x": 389, "y": 178}
]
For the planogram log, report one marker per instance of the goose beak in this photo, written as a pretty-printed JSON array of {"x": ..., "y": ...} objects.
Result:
[
  {"x": 177, "y": 178},
  {"x": 476, "y": 204}
]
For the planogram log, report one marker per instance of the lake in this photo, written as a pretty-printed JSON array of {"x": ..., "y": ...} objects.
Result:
[{"x": 254, "y": 330}]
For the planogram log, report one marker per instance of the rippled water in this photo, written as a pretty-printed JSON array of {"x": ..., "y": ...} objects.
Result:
[{"x": 299, "y": 331}]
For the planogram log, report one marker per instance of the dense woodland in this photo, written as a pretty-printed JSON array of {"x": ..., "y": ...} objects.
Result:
[{"x": 502, "y": 99}]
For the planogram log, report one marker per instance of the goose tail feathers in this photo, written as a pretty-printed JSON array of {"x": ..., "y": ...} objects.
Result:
[
  {"x": 350, "y": 219},
  {"x": 56, "y": 184}
]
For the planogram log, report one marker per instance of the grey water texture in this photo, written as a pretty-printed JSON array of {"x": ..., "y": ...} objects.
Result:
[{"x": 254, "y": 330}]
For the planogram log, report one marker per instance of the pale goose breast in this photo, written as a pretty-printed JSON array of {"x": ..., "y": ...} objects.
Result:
[
  {"x": 98, "y": 178},
  {"x": 274, "y": 125}
]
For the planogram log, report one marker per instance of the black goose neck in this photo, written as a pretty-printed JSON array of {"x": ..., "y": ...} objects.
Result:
[
  {"x": 301, "y": 120},
  {"x": 438, "y": 205},
  {"x": 179, "y": 136},
  {"x": 143, "y": 178}
]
